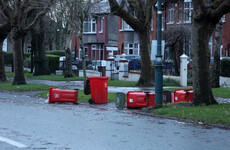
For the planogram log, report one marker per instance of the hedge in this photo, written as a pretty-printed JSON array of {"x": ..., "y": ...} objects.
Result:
[
  {"x": 8, "y": 58},
  {"x": 53, "y": 62},
  {"x": 225, "y": 67},
  {"x": 56, "y": 52}
]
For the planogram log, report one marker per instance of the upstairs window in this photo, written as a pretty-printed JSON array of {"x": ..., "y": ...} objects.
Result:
[
  {"x": 89, "y": 25},
  {"x": 126, "y": 26},
  {"x": 179, "y": 13},
  {"x": 188, "y": 12},
  {"x": 102, "y": 22},
  {"x": 171, "y": 13}
]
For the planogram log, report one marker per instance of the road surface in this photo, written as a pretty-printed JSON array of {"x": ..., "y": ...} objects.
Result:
[{"x": 29, "y": 123}]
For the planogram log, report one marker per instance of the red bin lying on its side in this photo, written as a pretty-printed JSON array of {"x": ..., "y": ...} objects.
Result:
[
  {"x": 183, "y": 95},
  {"x": 137, "y": 99},
  {"x": 59, "y": 95}
]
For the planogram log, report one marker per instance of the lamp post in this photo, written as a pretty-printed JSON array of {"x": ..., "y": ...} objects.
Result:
[{"x": 158, "y": 62}]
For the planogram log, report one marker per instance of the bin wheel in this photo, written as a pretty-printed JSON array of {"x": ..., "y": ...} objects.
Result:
[{"x": 91, "y": 101}]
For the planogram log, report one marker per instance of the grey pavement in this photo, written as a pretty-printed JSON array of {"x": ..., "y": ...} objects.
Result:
[
  {"x": 80, "y": 85},
  {"x": 66, "y": 126}
]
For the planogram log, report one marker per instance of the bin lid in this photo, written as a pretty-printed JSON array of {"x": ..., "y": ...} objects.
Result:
[{"x": 95, "y": 77}]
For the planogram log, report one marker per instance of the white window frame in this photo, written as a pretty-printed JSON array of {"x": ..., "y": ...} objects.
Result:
[
  {"x": 127, "y": 27},
  {"x": 102, "y": 24},
  {"x": 223, "y": 19},
  {"x": 179, "y": 13},
  {"x": 188, "y": 12},
  {"x": 171, "y": 14},
  {"x": 94, "y": 47},
  {"x": 91, "y": 23},
  {"x": 131, "y": 46}
]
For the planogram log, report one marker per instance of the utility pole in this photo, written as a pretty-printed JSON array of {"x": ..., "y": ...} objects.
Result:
[{"x": 158, "y": 62}]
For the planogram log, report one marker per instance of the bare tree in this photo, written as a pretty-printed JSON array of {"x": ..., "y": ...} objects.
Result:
[
  {"x": 206, "y": 15},
  {"x": 73, "y": 14},
  {"x": 141, "y": 24},
  {"x": 38, "y": 48},
  {"x": 4, "y": 31},
  {"x": 20, "y": 12},
  {"x": 175, "y": 37},
  {"x": 216, "y": 67},
  {"x": 5, "y": 28}
]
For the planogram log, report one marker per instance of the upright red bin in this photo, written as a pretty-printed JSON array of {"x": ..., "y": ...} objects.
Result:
[
  {"x": 183, "y": 95},
  {"x": 60, "y": 95},
  {"x": 138, "y": 99},
  {"x": 98, "y": 89}
]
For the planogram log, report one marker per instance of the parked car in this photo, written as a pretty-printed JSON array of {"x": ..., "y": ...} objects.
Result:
[
  {"x": 117, "y": 58},
  {"x": 135, "y": 64}
]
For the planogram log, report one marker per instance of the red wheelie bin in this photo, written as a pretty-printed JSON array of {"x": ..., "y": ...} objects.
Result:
[
  {"x": 183, "y": 95},
  {"x": 138, "y": 99},
  {"x": 98, "y": 89},
  {"x": 60, "y": 95}
]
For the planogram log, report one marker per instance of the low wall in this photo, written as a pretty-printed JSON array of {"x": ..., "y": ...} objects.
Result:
[
  {"x": 8, "y": 69},
  {"x": 134, "y": 76},
  {"x": 224, "y": 82}
]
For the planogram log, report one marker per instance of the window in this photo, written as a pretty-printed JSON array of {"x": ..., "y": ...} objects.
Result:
[
  {"x": 131, "y": 48},
  {"x": 179, "y": 13},
  {"x": 102, "y": 20},
  {"x": 223, "y": 19},
  {"x": 187, "y": 48},
  {"x": 126, "y": 26},
  {"x": 171, "y": 13},
  {"x": 210, "y": 45},
  {"x": 94, "y": 47},
  {"x": 162, "y": 23},
  {"x": 90, "y": 25},
  {"x": 188, "y": 12}
]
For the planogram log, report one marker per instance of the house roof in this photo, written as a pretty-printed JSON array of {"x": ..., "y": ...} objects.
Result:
[{"x": 101, "y": 8}]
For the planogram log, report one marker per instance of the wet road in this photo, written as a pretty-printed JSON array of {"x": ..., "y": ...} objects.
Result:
[{"x": 34, "y": 124}]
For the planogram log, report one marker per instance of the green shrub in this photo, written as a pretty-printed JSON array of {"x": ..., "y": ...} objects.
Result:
[
  {"x": 8, "y": 58},
  {"x": 56, "y": 52},
  {"x": 53, "y": 62},
  {"x": 225, "y": 67},
  {"x": 27, "y": 55},
  {"x": 27, "y": 62}
]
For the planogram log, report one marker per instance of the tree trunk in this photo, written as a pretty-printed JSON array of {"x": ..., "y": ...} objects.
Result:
[
  {"x": 4, "y": 31},
  {"x": 37, "y": 46},
  {"x": 201, "y": 60},
  {"x": 2, "y": 66},
  {"x": 147, "y": 70},
  {"x": 40, "y": 61},
  {"x": 82, "y": 50},
  {"x": 68, "y": 62},
  {"x": 19, "y": 78},
  {"x": 216, "y": 67}
]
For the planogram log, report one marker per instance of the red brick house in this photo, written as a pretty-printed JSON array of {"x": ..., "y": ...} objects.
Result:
[
  {"x": 104, "y": 33},
  {"x": 99, "y": 35},
  {"x": 176, "y": 13}
]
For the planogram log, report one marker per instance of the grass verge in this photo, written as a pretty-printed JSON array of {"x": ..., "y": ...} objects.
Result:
[
  {"x": 49, "y": 77},
  {"x": 27, "y": 87},
  {"x": 218, "y": 92},
  {"x": 81, "y": 96},
  {"x": 216, "y": 114}
]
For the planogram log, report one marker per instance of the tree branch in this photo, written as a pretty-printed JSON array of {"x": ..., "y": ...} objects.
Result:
[
  {"x": 43, "y": 12},
  {"x": 221, "y": 7},
  {"x": 120, "y": 11}
]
